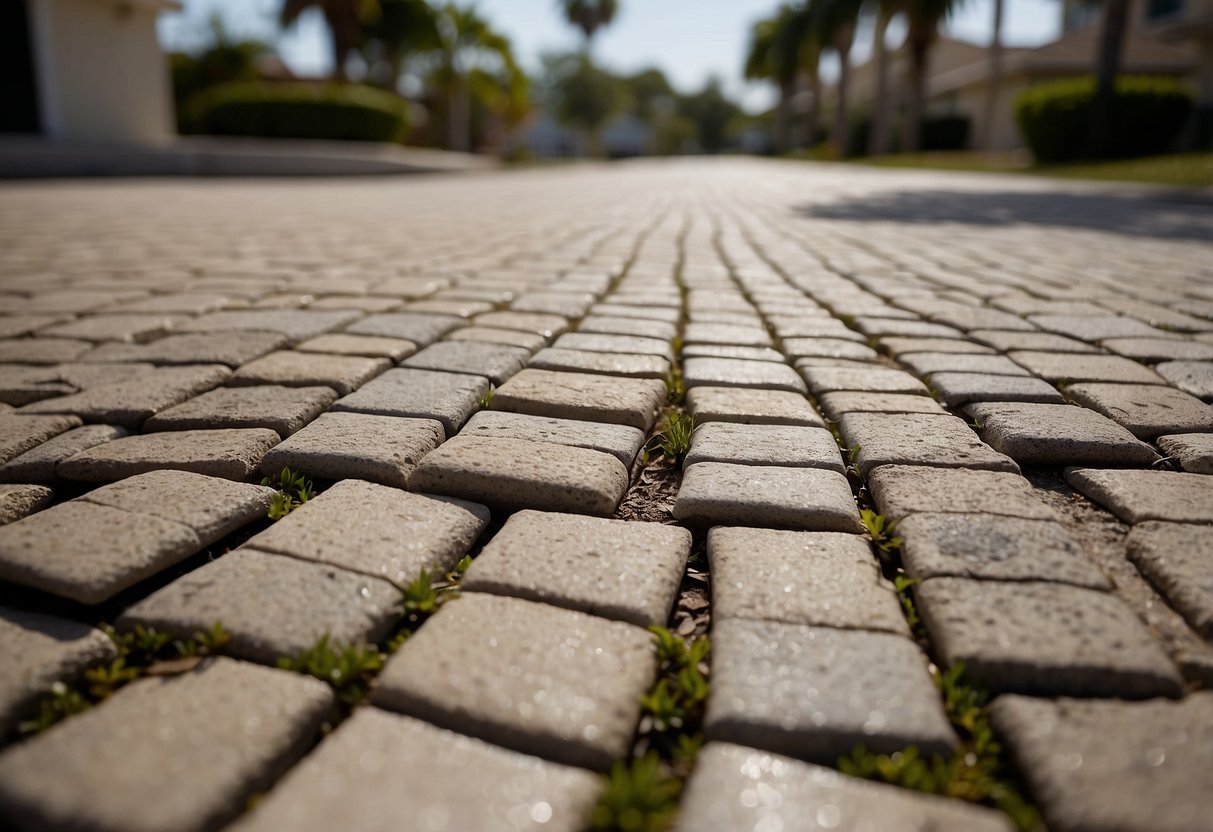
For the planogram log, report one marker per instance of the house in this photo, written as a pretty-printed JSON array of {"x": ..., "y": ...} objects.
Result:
[{"x": 85, "y": 71}]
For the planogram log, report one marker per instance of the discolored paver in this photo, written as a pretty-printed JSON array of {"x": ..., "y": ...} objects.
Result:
[
  {"x": 1045, "y": 639},
  {"x": 918, "y": 439},
  {"x": 1057, "y": 434},
  {"x": 553, "y": 682},
  {"x": 1178, "y": 559},
  {"x": 808, "y": 499},
  {"x": 735, "y": 787},
  {"x": 1134, "y": 496},
  {"x": 750, "y": 407},
  {"x": 273, "y": 606},
  {"x": 592, "y": 398},
  {"x": 783, "y": 445},
  {"x": 449, "y": 398},
  {"x": 377, "y": 530},
  {"x": 816, "y": 693},
  {"x": 817, "y": 578},
  {"x": 202, "y": 742},
  {"x": 380, "y": 767},
  {"x": 1148, "y": 411},
  {"x": 509, "y": 474},
  {"x": 1096, "y": 765},
  {"x": 17, "y": 501},
  {"x": 233, "y": 454},
  {"x": 281, "y": 409},
  {"x": 628, "y": 571}
]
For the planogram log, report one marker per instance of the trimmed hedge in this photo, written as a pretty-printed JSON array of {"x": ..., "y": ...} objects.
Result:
[
  {"x": 292, "y": 110},
  {"x": 1144, "y": 117},
  {"x": 935, "y": 133}
]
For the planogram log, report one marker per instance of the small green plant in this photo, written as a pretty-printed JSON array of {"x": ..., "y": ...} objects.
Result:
[
  {"x": 422, "y": 598},
  {"x": 347, "y": 668},
  {"x": 675, "y": 388},
  {"x": 674, "y": 437},
  {"x": 486, "y": 401},
  {"x": 853, "y": 462},
  {"x": 880, "y": 530},
  {"x": 674, "y": 706},
  {"x": 293, "y": 490},
  {"x": 58, "y": 704},
  {"x": 639, "y": 796},
  {"x": 903, "y": 585}
]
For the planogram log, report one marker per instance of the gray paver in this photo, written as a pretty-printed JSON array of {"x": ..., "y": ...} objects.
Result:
[
  {"x": 1057, "y": 434},
  {"x": 1132, "y": 766},
  {"x": 1148, "y": 411},
  {"x": 449, "y": 398},
  {"x": 836, "y": 404},
  {"x": 38, "y": 650},
  {"x": 956, "y": 389},
  {"x": 42, "y": 350},
  {"x": 529, "y": 341},
  {"x": 1032, "y": 341},
  {"x": 1134, "y": 496},
  {"x": 728, "y": 372},
  {"x": 37, "y": 465},
  {"x": 896, "y": 346},
  {"x": 539, "y": 679},
  {"x": 496, "y": 362},
  {"x": 377, "y": 530},
  {"x": 818, "y": 578},
  {"x": 734, "y": 787},
  {"x": 1057, "y": 367},
  {"x": 625, "y": 401},
  {"x": 608, "y": 325},
  {"x": 336, "y": 446},
  {"x": 281, "y": 409},
  {"x": 1045, "y": 639},
  {"x": 1195, "y": 377},
  {"x": 342, "y": 373},
  {"x": 88, "y": 552},
  {"x": 620, "y": 441},
  {"x": 20, "y": 433},
  {"x": 17, "y": 501},
  {"x": 750, "y": 407},
  {"x": 929, "y": 363},
  {"x": 1193, "y": 452},
  {"x": 629, "y": 571},
  {"x": 827, "y": 348},
  {"x": 902, "y": 490},
  {"x": 604, "y": 363},
  {"x": 130, "y": 403},
  {"x": 807, "y": 499},
  {"x": 626, "y": 344},
  {"x": 372, "y": 346},
  {"x": 272, "y": 605},
  {"x": 790, "y": 446},
  {"x": 202, "y": 743},
  {"x": 229, "y": 348},
  {"x": 509, "y": 474},
  {"x": 1096, "y": 327},
  {"x": 731, "y": 334},
  {"x": 991, "y": 547},
  {"x": 233, "y": 454},
  {"x": 546, "y": 326},
  {"x": 1159, "y": 349},
  {"x": 114, "y": 327},
  {"x": 1178, "y": 559},
  {"x": 417, "y": 327},
  {"x": 295, "y": 324},
  {"x": 727, "y": 351},
  {"x": 816, "y": 693},
  {"x": 918, "y": 439},
  {"x": 873, "y": 379},
  {"x": 381, "y": 767}
]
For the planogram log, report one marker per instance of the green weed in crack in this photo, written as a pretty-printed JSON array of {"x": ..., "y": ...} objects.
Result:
[
  {"x": 880, "y": 530},
  {"x": 673, "y": 439},
  {"x": 293, "y": 490}
]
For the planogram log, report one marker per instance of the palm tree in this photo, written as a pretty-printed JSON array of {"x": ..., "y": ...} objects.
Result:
[
  {"x": 469, "y": 51},
  {"x": 397, "y": 28},
  {"x": 1111, "y": 45},
  {"x": 878, "y": 134},
  {"x": 344, "y": 19},
  {"x": 775, "y": 54},
  {"x": 838, "y": 19},
  {"x": 589, "y": 15},
  {"x": 994, "y": 81},
  {"x": 923, "y": 18}
]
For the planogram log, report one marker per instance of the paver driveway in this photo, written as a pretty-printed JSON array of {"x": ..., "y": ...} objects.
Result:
[{"x": 1018, "y": 372}]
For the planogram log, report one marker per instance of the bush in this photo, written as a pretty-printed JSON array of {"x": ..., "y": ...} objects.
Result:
[
  {"x": 1145, "y": 116},
  {"x": 300, "y": 111},
  {"x": 936, "y": 133}
]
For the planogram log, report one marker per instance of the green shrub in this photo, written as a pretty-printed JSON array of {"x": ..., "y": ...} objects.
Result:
[
  {"x": 935, "y": 133},
  {"x": 1144, "y": 118},
  {"x": 300, "y": 111}
]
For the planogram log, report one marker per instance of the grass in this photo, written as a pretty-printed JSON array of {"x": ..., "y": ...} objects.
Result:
[
  {"x": 293, "y": 490},
  {"x": 347, "y": 668},
  {"x": 1179, "y": 169},
  {"x": 673, "y": 439}
]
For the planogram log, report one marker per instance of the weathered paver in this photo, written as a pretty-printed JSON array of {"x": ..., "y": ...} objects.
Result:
[
  {"x": 729, "y": 372},
  {"x": 1045, "y": 639},
  {"x": 582, "y": 396},
  {"x": 496, "y": 362},
  {"x": 509, "y": 474},
  {"x": 545, "y": 326},
  {"x": 918, "y": 439},
  {"x": 956, "y": 389},
  {"x": 836, "y": 404},
  {"x": 1194, "y": 377},
  {"x": 20, "y": 433},
  {"x": 612, "y": 568},
  {"x": 229, "y": 348},
  {"x": 873, "y": 379},
  {"x": 1193, "y": 452},
  {"x": 632, "y": 365},
  {"x": 101, "y": 328},
  {"x": 790, "y": 446},
  {"x": 232, "y": 453},
  {"x": 620, "y": 441},
  {"x": 416, "y": 327},
  {"x": 993, "y": 547},
  {"x": 1095, "y": 765},
  {"x": 342, "y": 373},
  {"x": 449, "y": 398},
  {"x": 553, "y": 682},
  {"x": 735, "y": 787},
  {"x": 1178, "y": 559},
  {"x": 377, "y": 530},
  {"x": 816, "y": 693},
  {"x": 273, "y": 606},
  {"x": 750, "y": 407},
  {"x": 807, "y": 499},
  {"x": 37, "y": 465},
  {"x": 817, "y": 578},
  {"x": 1057, "y": 434},
  {"x": 130, "y": 403},
  {"x": 17, "y": 501},
  {"x": 1148, "y": 411},
  {"x": 1134, "y": 496},
  {"x": 281, "y": 409},
  {"x": 902, "y": 490},
  {"x": 201, "y": 742},
  {"x": 39, "y": 650},
  {"x": 380, "y": 767},
  {"x": 1062, "y": 367},
  {"x": 296, "y": 324},
  {"x": 371, "y": 346},
  {"x": 336, "y": 446}
]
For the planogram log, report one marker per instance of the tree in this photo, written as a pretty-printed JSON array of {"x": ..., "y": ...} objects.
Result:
[
  {"x": 922, "y": 18},
  {"x": 397, "y": 28},
  {"x": 471, "y": 56},
  {"x": 837, "y": 20},
  {"x": 589, "y": 15},
  {"x": 344, "y": 19},
  {"x": 711, "y": 111},
  {"x": 878, "y": 135},
  {"x": 776, "y": 53},
  {"x": 993, "y": 82},
  {"x": 1113, "y": 25},
  {"x": 581, "y": 93}
]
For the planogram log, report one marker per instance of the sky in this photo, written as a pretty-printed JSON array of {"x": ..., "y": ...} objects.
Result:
[{"x": 689, "y": 40}]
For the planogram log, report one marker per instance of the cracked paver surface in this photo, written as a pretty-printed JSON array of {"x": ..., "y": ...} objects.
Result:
[{"x": 1016, "y": 370}]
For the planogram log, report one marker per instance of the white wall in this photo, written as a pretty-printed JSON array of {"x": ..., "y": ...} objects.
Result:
[{"x": 101, "y": 74}]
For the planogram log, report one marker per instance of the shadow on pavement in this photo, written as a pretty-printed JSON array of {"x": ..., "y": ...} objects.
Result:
[{"x": 1172, "y": 215}]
